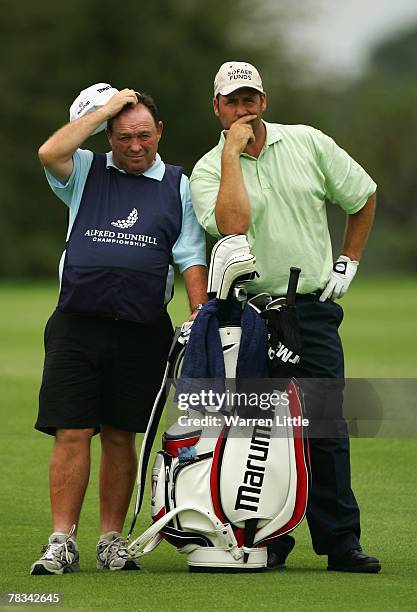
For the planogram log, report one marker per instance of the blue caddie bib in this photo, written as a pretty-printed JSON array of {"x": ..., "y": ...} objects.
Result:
[{"x": 120, "y": 246}]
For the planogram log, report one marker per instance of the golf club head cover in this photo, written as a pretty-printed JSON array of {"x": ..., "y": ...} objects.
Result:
[
  {"x": 285, "y": 343},
  {"x": 224, "y": 249},
  {"x": 238, "y": 267},
  {"x": 340, "y": 278}
]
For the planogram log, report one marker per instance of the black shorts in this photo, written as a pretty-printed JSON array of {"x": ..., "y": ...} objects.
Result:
[{"x": 101, "y": 371}]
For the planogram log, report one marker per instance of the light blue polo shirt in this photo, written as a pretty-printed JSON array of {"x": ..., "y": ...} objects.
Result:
[{"x": 190, "y": 248}]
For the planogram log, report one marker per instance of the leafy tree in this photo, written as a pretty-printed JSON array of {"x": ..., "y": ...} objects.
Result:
[{"x": 52, "y": 50}]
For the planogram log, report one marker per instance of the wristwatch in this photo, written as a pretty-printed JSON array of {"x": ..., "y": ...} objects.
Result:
[{"x": 197, "y": 307}]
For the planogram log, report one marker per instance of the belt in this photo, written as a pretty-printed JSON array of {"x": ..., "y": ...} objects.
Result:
[{"x": 312, "y": 296}]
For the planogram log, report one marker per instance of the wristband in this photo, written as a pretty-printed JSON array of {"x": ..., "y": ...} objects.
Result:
[{"x": 197, "y": 307}]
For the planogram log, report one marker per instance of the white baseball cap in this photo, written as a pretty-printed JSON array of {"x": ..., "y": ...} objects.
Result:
[
  {"x": 234, "y": 75},
  {"x": 91, "y": 99}
]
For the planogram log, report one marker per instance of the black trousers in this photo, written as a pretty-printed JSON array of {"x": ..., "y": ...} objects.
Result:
[{"x": 332, "y": 513}]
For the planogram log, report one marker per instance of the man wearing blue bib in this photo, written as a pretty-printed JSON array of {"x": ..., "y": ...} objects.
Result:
[
  {"x": 271, "y": 182},
  {"x": 106, "y": 344}
]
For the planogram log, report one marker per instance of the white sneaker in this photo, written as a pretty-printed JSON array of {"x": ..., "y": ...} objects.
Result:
[
  {"x": 112, "y": 553},
  {"x": 59, "y": 556}
]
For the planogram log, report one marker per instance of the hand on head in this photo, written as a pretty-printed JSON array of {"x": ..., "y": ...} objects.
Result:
[{"x": 115, "y": 104}]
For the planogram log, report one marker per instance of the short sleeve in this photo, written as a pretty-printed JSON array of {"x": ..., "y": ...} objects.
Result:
[
  {"x": 204, "y": 186},
  {"x": 346, "y": 182},
  {"x": 190, "y": 248},
  {"x": 71, "y": 191}
]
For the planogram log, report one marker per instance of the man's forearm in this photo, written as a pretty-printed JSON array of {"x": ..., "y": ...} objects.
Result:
[
  {"x": 56, "y": 153},
  {"x": 195, "y": 278},
  {"x": 233, "y": 214},
  {"x": 357, "y": 231}
]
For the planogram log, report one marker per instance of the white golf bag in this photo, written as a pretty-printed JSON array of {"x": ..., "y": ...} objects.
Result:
[{"x": 224, "y": 487}]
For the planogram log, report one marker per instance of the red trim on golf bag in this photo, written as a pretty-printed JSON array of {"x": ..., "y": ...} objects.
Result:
[
  {"x": 214, "y": 480},
  {"x": 172, "y": 446},
  {"x": 160, "y": 514}
]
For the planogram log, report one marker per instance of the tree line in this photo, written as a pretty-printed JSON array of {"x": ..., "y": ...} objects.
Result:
[{"x": 51, "y": 51}]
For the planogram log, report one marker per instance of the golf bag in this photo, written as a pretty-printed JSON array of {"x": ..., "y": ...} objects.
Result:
[{"x": 225, "y": 486}]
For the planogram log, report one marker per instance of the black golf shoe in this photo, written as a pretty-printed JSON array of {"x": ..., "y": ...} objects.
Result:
[
  {"x": 354, "y": 561},
  {"x": 278, "y": 553}
]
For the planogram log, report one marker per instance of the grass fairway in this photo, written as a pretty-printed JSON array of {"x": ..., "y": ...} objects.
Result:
[{"x": 380, "y": 337}]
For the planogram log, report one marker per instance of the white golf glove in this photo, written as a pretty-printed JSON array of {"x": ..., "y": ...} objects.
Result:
[{"x": 340, "y": 278}]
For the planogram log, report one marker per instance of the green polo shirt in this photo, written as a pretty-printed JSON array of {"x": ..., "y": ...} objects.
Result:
[{"x": 298, "y": 169}]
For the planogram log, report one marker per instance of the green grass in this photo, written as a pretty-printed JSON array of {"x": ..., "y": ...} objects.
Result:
[
  {"x": 380, "y": 330},
  {"x": 380, "y": 337}
]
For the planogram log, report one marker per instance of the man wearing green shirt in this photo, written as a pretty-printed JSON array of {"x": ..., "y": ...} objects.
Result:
[{"x": 271, "y": 182}]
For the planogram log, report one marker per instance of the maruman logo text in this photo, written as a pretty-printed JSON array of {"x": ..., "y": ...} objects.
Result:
[
  {"x": 249, "y": 492},
  {"x": 120, "y": 237}
]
